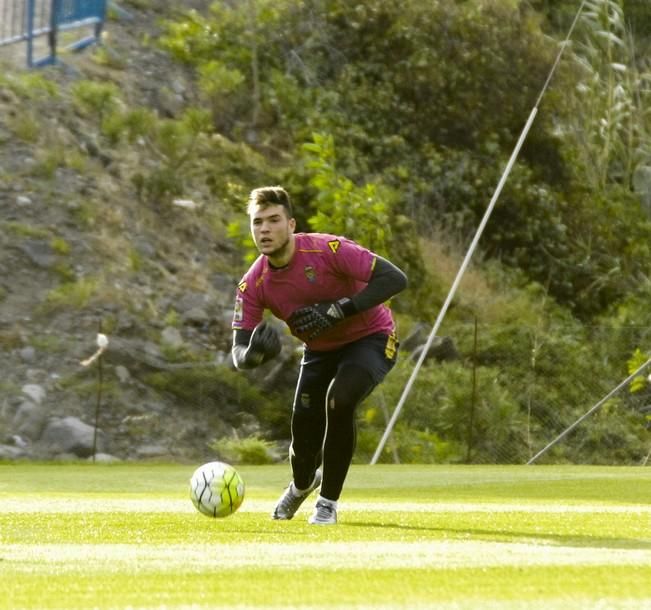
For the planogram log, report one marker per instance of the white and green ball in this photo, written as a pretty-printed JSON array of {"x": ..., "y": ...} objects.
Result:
[{"x": 216, "y": 489}]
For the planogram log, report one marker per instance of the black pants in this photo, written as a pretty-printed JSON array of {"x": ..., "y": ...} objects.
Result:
[{"x": 330, "y": 386}]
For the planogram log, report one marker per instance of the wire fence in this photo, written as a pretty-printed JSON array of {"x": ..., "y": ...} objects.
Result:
[
  {"x": 15, "y": 18},
  {"x": 501, "y": 393},
  {"x": 486, "y": 394},
  {"x": 39, "y": 24}
]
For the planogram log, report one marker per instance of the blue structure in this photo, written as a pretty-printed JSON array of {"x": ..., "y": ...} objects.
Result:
[{"x": 25, "y": 20}]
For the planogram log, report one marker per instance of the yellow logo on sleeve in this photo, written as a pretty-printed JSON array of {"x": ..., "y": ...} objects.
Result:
[
  {"x": 242, "y": 286},
  {"x": 238, "y": 312},
  {"x": 334, "y": 245}
]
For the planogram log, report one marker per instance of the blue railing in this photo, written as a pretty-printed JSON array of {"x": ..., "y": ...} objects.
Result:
[{"x": 26, "y": 20}]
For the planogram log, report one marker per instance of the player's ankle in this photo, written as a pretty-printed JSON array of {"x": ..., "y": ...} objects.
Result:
[{"x": 327, "y": 501}]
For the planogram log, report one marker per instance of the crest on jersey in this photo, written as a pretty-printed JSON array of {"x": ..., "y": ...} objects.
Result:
[
  {"x": 334, "y": 245},
  {"x": 310, "y": 273},
  {"x": 242, "y": 286}
]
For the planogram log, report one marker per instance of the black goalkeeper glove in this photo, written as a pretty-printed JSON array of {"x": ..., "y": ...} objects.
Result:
[
  {"x": 263, "y": 345},
  {"x": 314, "y": 319}
]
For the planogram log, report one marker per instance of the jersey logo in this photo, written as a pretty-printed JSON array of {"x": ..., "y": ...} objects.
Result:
[
  {"x": 391, "y": 347},
  {"x": 310, "y": 274},
  {"x": 334, "y": 245},
  {"x": 238, "y": 312},
  {"x": 242, "y": 286}
]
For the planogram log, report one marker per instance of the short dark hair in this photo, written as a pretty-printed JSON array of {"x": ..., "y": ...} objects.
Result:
[{"x": 270, "y": 195}]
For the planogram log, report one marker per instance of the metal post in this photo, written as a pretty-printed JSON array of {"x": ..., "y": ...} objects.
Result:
[
  {"x": 54, "y": 31},
  {"x": 30, "y": 33},
  {"x": 473, "y": 399}
]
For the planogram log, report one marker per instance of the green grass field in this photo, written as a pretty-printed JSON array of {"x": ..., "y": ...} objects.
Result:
[{"x": 410, "y": 537}]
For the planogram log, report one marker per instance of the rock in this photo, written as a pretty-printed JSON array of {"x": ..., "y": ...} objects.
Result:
[
  {"x": 66, "y": 457},
  {"x": 39, "y": 252},
  {"x": 71, "y": 435},
  {"x": 104, "y": 458},
  {"x": 195, "y": 316},
  {"x": 442, "y": 349},
  {"x": 19, "y": 441},
  {"x": 178, "y": 86},
  {"x": 188, "y": 204},
  {"x": 29, "y": 420},
  {"x": 122, "y": 373},
  {"x": 9, "y": 452},
  {"x": 23, "y": 200},
  {"x": 35, "y": 392},
  {"x": 35, "y": 376},
  {"x": 224, "y": 286},
  {"x": 415, "y": 338},
  {"x": 151, "y": 350},
  {"x": 642, "y": 185},
  {"x": 172, "y": 337},
  {"x": 191, "y": 300},
  {"x": 27, "y": 354},
  {"x": 149, "y": 451}
]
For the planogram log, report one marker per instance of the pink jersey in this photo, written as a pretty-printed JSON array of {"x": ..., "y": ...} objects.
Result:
[{"x": 323, "y": 268}]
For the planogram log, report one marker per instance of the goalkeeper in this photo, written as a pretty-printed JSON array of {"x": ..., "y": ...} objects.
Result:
[{"x": 330, "y": 291}]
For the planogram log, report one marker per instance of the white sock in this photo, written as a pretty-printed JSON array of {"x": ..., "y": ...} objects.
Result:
[{"x": 332, "y": 503}]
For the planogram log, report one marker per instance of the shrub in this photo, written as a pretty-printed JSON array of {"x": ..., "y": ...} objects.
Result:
[
  {"x": 75, "y": 295},
  {"x": 249, "y": 450}
]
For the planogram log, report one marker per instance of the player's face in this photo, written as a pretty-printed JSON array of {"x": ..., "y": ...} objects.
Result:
[{"x": 273, "y": 232}]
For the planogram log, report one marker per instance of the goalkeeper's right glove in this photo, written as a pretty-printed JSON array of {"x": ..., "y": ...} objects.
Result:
[
  {"x": 263, "y": 345},
  {"x": 317, "y": 318}
]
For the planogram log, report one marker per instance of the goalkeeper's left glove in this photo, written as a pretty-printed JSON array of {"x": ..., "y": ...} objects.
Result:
[
  {"x": 251, "y": 351},
  {"x": 314, "y": 319},
  {"x": 263, "y": 345}
]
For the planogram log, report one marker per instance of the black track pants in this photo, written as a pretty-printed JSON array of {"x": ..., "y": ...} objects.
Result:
[{"x": 330, "y": 386}]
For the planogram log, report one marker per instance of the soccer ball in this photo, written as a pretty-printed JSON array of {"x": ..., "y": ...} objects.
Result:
[{"x": 216, "y": 489}]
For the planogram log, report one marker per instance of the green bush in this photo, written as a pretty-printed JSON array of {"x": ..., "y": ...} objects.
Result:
[
  {"x": 249, "y": 450},
  {"x": 95, "y": 98},
  {"x": 75, "y": 294}
]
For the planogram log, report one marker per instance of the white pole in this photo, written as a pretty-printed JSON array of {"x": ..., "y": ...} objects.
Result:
[{"x": 455, "y": 285}]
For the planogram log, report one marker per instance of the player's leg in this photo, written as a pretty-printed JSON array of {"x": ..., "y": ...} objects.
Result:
[
  {"x": 308, "y": 428},
  {"x": 351, "y": 385},
  {"x": 362, "y": 366}
]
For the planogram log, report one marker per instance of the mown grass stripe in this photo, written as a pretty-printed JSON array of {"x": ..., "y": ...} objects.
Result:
[
  {"x": 72, "y": 503},
  {"x": 296, "y": 555}
]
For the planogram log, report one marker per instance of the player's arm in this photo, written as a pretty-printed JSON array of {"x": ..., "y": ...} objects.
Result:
[
  {"x": 386, "y": 281},
  {"x": 252, "y": 348}
]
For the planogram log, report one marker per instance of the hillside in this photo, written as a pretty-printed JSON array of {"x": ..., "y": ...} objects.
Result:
[
  {"x": 81, "y": 254},
  {"x": 123, "y": 176}
]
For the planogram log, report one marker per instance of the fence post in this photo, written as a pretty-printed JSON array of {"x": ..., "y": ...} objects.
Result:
[
  {"x": 30, "y": 33},
  {"x": 54, "y": 31},
  {"x": 473, "y": 399}
]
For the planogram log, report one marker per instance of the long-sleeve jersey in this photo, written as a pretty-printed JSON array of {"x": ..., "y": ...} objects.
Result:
[{"x": 323, "y": 268}]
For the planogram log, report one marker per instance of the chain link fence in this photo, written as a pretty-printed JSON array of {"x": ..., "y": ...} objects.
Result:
[
  {"x": 486, "y": 394},
  {"x": 501, "y": 393}
]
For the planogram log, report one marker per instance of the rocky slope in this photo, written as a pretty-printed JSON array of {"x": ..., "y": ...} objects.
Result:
[{"x": 80, "y": 255}]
